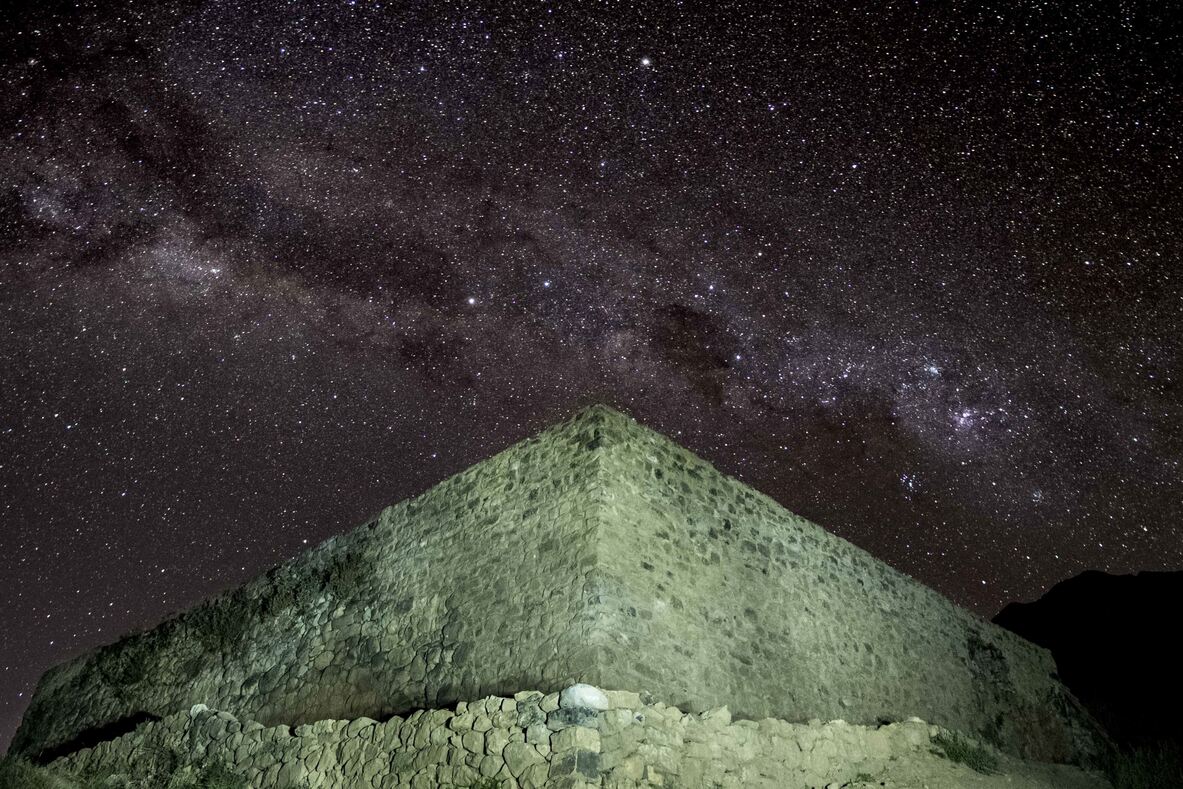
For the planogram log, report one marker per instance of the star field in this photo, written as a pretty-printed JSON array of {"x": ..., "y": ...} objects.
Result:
[{"x": 265, "y": 267}]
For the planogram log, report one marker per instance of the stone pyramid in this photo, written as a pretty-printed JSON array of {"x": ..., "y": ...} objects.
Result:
[{"x": 597, "y": 551}]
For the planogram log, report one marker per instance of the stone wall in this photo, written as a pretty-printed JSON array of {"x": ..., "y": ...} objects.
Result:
[
  {"x": 474, "y": 587},
  {"x": 595, "y": 552},
  {"x": 583, "y": 737},
  {"x": 710, "y": 593}
]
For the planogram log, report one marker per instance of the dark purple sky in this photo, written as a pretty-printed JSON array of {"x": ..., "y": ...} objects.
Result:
[{"x": 910, "y": 268}]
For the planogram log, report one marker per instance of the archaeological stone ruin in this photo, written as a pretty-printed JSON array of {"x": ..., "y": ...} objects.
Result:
[{"x": 538, "y": 620}]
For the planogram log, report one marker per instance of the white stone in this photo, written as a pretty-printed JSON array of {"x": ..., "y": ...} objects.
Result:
[{"x": 584, "y": 696}]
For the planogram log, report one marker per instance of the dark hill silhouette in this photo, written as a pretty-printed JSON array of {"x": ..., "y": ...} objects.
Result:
[{"x": 1117, "y": 643}]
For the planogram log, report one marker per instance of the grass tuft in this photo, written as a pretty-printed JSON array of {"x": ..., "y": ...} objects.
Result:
[
  {"x": 17, "y": 773},
  {"x": 159, "y": 769},
  {"x": 961, "y": 750}
]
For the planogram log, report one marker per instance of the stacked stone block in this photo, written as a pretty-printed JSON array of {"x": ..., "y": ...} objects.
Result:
[{"x": 528, "y": 741}]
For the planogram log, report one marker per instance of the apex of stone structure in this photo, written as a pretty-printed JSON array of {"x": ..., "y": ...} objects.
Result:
[{"x": 596, "y": 424}]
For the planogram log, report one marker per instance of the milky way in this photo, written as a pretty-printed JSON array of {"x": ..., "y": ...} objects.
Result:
[{"x": 910, "y": 268}]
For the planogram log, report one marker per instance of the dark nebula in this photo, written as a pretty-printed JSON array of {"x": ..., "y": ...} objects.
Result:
[{"x": 911, "y": 268}]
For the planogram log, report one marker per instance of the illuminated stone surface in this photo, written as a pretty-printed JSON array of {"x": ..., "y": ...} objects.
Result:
[
  {"x": 642, "y": 745},
  {"x": 596, "y": 552}
]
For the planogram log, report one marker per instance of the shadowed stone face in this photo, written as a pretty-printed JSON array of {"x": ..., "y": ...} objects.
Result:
[{"x": 596, "y": 552}]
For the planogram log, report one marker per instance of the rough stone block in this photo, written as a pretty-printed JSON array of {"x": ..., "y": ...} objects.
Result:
[
  {"x": 520, "y": 756},
  {"x": 572, "y": 716},
  {"x": 623, "y": 699},
  {"x": 575, "y": 737}
]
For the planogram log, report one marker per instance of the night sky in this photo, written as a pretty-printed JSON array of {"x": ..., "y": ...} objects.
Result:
[{"x": 911, "y": 268}]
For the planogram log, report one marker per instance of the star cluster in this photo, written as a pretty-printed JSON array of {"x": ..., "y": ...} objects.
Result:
[{"x": 910, "y": 268}]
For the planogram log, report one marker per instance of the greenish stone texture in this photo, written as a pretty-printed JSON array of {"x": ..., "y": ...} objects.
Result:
[
  {"x": 710, "y": 593},
  {"x": 598, "y": 552}
]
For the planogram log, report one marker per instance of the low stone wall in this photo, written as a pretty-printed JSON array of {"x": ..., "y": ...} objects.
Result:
[{"x": 582, "y": 737}]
